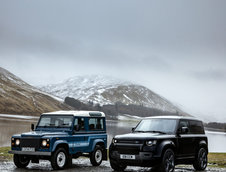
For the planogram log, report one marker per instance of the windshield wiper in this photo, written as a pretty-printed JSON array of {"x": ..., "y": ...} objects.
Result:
[
  {"x": 152, "y": 131},
  {"x": 45, "y": 126},
  {"x": 62, "y": 126},
  {"x": 139, "y": 131},
  {"x": 156, "y": 131}
]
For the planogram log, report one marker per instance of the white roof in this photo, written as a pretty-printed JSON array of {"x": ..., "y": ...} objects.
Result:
[{"x": 77, "y": 113}]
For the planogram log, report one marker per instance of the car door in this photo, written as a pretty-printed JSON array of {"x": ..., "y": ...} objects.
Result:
[
  {"x": 196, "y": 129},
  {"x": 79, "y": 137},
  {"x": 185, "y": 140}
]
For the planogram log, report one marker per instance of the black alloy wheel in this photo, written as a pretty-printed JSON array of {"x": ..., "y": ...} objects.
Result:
[
  {"x": 201, "y": 160},
  {"x": 21, "y": 161},
  {"x": 117, "y": 166},
  {"x": 168, "y": 161}
]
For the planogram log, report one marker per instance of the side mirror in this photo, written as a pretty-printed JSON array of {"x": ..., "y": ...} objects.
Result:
[
  {"x": 183, "y": 130},
  {"x": 32, "y": 127},
  {"x": 133, "y": 129}
]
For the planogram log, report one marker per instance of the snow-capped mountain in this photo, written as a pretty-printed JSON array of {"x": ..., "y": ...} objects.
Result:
[
  {"x": 18, "y": 97},
  {"x": 108, "y": 90}
]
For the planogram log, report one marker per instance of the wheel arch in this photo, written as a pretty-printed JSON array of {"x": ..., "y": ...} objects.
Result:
[
  {"x": 168, "y": 144},
  {"x": 61, "y": 144},
  {"x": 202, "y": 144},
  {"x": 100, "y": 143}
]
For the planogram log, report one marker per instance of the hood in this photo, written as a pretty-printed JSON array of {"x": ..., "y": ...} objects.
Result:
[
  {"x": 42, "y": 134},
  {"x": 141, "y": 136}
]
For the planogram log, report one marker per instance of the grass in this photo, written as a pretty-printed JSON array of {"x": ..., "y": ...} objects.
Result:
[
  {"x": 217, "y": 159},
  {"x": 214, "y": 159},
  {"x": 4, "y": 155}
]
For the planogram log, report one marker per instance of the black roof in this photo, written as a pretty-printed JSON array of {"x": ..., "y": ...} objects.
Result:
[{"x": 173, "y": 117}]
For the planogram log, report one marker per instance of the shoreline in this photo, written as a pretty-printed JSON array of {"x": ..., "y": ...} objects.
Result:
[
  {"x": 34, "y": 118},
  {"x": 214, "y": 159}
]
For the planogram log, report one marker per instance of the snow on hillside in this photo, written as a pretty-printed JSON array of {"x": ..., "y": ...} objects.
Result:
[
  {"x": 108, "y": 90},
  {"x": 82, "y": 87}
]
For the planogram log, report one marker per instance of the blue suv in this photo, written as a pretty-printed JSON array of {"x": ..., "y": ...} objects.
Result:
[{"x": 60, "y": 136}]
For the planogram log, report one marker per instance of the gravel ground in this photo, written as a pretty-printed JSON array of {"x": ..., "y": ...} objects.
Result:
[{"x": 83, "y": 165}]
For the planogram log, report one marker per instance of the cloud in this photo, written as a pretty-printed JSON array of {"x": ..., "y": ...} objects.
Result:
[
  {"x": 210, "y": 75},
  {"x": 174, "y": 47},
  {"x": 12, "y": 42}
]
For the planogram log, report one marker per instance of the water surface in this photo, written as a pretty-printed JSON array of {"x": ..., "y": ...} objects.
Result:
[{"x": 12, "y": 125}]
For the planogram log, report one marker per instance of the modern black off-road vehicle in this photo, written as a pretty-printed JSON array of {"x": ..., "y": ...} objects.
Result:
[{"x": 161, "y": 143}]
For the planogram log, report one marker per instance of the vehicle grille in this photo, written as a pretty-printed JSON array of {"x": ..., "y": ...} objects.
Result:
[
  {"x": 128, "y": 150},
  {"x": 130, "y": 141},
  {"x": 30, "y": 142}
]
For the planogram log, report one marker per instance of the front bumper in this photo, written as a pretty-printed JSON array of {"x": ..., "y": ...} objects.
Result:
[
  {"x": 36, "y": 153},
  {"x": 145, "y": 159}
]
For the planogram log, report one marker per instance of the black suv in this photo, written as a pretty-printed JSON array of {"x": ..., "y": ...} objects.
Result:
[{"x": 161, "y": 143}]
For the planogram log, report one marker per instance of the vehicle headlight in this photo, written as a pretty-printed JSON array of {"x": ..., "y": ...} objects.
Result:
[
  {"x": 114, "y": 141},
  {"x": 17, "y": 142},
  {"x": 45, "y": 143},
  {"x": 151, "y": 142}
]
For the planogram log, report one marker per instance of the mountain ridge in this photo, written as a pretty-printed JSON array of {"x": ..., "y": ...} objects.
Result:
[
  {"x": 18, "y": 97},
  {"x": 103, "y": 90}
]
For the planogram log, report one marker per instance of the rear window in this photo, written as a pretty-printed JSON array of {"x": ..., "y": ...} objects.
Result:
[
  {"x": 96, "y": 124},
  {"x": 196, "y": 127}
]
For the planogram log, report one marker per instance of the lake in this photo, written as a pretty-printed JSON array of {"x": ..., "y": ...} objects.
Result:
[{"x": 10, "y": 125}]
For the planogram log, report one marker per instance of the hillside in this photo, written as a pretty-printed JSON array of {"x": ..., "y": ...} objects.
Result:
[
  {"x": 120, "y": 110},
  {"x": 18, "y": 97},
  {"x": 107, "y": 90}
]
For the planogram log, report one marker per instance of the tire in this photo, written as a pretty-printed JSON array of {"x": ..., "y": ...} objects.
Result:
[
  {"x": 21, "y": 161},
  {"x": 168, "y": 161},
  {"x": 117, "y": 166},
  {"x": 201, "y": 160},
  {"x": 96, "y": 156},
  {"x": 59, "y": 159}
]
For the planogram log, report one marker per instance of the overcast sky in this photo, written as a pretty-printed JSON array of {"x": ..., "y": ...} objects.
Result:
[{"x": 175, "y": 48}]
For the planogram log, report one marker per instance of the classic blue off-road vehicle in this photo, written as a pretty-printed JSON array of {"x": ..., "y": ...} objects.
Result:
[{"x": 60, "y": 136}]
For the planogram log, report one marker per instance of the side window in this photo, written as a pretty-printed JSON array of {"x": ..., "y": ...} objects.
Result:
[
  {"x": 79, "y": 124},
  {"x": 196, "y": 127},
  {"x": 45, "y": 121},
  {"x": 184, "y": 123},
  {"x": 96, "y": 124}
]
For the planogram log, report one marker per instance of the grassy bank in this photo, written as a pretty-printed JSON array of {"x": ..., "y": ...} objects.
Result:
[
  {"x": 4, "y": 155},
  {"x": 214, "y": 159},
  {"x": 217, "y": 159}
]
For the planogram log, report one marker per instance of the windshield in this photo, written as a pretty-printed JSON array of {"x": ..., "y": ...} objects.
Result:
[
  {"x": 58, "y": 121},
  {"x": 157, "y": 126}
]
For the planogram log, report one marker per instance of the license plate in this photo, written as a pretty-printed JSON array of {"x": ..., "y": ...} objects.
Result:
[
  {"x": 122, "y": 156},
  {"x": 28, "y": 149}
]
